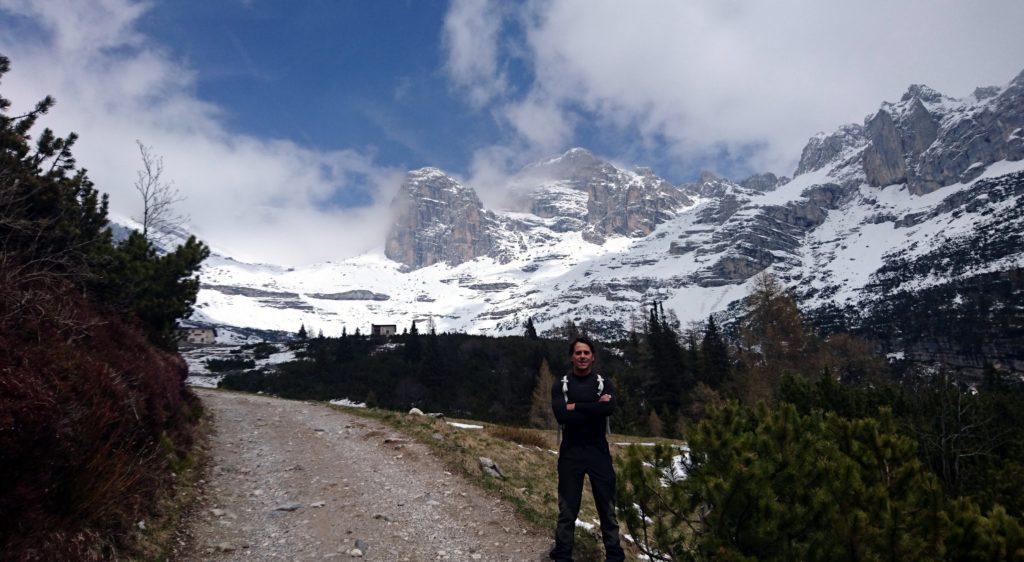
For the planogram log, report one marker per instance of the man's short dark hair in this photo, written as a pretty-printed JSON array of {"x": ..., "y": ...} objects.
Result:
[{"x": 584, "y": 340}]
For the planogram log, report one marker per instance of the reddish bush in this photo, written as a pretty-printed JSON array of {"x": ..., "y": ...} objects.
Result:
[{"x": 87, "y": 409}]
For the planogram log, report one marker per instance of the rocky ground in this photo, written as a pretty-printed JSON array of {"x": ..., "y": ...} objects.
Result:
[{"x": 295, "y": 481}]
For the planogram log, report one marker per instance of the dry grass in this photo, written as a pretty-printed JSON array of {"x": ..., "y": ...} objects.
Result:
[{"x": 521, "y": 435}]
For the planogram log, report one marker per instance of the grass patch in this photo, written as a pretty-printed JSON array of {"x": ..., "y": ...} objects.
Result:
[
  {"x": 521, "y": 435},
  {"x": 525, "y": 456}
]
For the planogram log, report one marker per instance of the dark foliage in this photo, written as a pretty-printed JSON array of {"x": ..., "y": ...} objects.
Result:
[
  {"x": 776, "y": 484},
  {"x": 93, "y": 416},
  {"x": 494, "y": 379},
  {"x": 972, "y": 438},
  {"x": 460, "y": 374},
  {"x": 88, "y": 430},
  {"x": 229, "y": 364}
]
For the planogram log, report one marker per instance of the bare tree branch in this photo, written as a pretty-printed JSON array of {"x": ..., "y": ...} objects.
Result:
[{"x": 159, "y": 197}]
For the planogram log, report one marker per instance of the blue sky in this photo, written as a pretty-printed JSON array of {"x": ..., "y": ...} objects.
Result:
[
  {"x": 373, "y": 75},
  {"x": 328, "y": 74},
  {"x": 289, "y": 125}
]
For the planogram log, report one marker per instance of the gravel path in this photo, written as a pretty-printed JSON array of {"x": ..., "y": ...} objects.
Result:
[{"x": 297, "y": 481}]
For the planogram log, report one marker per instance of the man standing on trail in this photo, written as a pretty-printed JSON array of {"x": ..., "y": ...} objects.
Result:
[{"x": 582, "y": 401}]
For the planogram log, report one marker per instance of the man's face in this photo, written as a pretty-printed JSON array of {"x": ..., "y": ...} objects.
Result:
[{"x": 582, "y": 357}]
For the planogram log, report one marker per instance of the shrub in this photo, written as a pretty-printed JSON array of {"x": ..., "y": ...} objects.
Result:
[
  {"x": 230, "y": 364},
  {"x": 82, "y": 420},
  {"x": 262, "y": 350},
  {"x": 774, "y": 484}
]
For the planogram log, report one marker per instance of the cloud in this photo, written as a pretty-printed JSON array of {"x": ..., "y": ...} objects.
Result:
[
  {"x": 258, "y": 199},
  {"x": 471, "y": 34},
  {"x": 720, "y": 80},
  {"x": 541, "y": 122}
]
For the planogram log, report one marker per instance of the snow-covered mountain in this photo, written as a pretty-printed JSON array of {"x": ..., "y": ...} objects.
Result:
[{"x": 926, "y": 193}]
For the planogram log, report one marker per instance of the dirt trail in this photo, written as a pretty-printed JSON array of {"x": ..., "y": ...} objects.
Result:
[{"x": 274, "y": 461}]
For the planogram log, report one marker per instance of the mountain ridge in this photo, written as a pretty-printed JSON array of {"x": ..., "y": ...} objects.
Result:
[{"x": 586, "y": 240}]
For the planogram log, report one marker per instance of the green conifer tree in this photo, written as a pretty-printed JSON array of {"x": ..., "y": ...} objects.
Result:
[
  {"x": 529, "y": 330},
  {"x": 714, "y": 356}
]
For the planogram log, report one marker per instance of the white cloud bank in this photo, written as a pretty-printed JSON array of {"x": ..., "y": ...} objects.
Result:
[
  {"x": 263, "y": 200},
  {"x": 708, "y": 75}
]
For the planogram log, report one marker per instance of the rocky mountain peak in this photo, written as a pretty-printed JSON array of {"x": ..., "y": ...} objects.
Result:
[
  {"x": 589, "y": 194},
  {"x": 437, "y": 218},
  {"x": 430, "y": 180},
  {"x": 579, "y": 154},
  {"x": 986, "y": 92},
  {"x": 925, "y": 140},
  {"x": 576, "y": 164},
  {"x": 825, "y": 149},
  {"x": 928, "y": 140},
  {"x": 923, "y": 93},
  {"x": 707, "y": 176},
  {"x": 711, "y": 185},
  {"x": 764, "y": 182}
]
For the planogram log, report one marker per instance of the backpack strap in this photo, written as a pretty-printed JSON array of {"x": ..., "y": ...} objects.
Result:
[
  {"x": 565, "y": 396},
  {"x": 600, "y": 391}
]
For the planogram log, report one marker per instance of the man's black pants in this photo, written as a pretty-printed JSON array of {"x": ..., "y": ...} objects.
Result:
[{"x": 596, "y": 462}]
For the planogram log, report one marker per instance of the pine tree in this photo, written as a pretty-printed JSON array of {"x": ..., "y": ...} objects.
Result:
[
  {"x": 541, "y": 415},
  {"x": 670, "y": 375},
  {"x": 302, "y": 335},
  {"x": 569, "y": 329},
  {"x": 157, "y": 289},
  {"x": 433, "y": 369},
  {"x": 714, "y": 356},
  {"x": 413, "y": 346},
  {"x": 530, "y": 331}
]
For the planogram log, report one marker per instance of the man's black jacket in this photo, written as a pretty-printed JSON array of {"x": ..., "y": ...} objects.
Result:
[{"x": 585, "y": 425}]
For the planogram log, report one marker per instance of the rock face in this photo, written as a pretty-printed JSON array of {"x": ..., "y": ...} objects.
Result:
[
  {"x": 354, "y": 295},
  {"x": 984, "y": 132},
  {"x": 899, "y": 133},
  {"x": 583, "y": 192},
  {"x": 440, "y": 220},
  {"x": 883, "y": 157},
  {"x": 926, "y": 140},
  {"x": 437, "y": 219},
  {"x": 764, "y": 182},
  {"x": 823, "y": 149}
]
